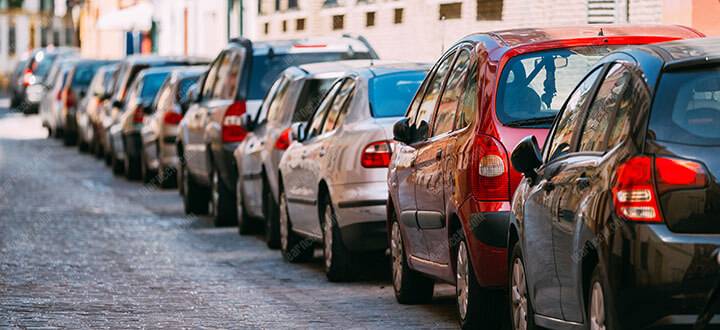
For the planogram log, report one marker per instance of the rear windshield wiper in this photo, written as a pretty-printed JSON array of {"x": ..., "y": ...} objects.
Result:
[{"x": 531, "y": 121}]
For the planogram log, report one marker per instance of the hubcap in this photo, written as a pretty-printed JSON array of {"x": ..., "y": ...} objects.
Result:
[
  {"x": 462, "y": 280},
  {"x": 396, "y": 250},
  {"x": 328, "y": 238},
  {"x": 215, "y": 194},
  {"x": 597, "y": 308},
  {"x": 519, "y": 296},
  {"x": 284, "y": 224}
]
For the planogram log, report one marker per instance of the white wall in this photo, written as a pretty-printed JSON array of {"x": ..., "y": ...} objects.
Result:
[{"x": 206, "y": 21}]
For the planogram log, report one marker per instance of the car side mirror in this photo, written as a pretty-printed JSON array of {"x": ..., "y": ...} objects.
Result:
[
  {"x": 402, "y": 132},
  {"x": 526, "y": 158},
  {"x": 247, "y": 122},
  {"x": 298, "y": 131}
]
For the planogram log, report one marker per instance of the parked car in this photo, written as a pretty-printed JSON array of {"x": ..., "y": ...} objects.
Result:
[
  {"x": 35, "y": 76},
  {"x": 16, "y": 83},
  {"x": 333, "y": 177},
  {"x": 292, "y": 99},
  {"x": 124, "y": 76},
  {"x": 158, "y": 158},
  {"x": 88, "y": 115},
  {"x": 449, "y": 179},
  {"x": 74, "y": 88},
  {"x": 236, "y": 83},
  {"x": 50, "y": 107},
  {"x": 125, "y": 134},
  {"x": 620, "y": 208}
]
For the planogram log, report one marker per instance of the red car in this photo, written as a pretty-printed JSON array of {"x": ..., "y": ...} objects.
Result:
[{"x": 450, "y": 180}]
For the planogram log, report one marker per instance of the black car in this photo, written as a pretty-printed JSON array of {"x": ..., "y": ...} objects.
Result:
[{"x": 615, "y": 222}]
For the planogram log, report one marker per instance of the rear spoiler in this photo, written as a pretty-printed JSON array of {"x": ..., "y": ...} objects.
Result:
[
  {"x": 371, "y": 50},
  {"x": 690, "y": 63}
]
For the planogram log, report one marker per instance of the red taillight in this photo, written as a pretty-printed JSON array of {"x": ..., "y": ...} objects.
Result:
[
  {"x": 232, "y": 129},
  {"x": 634, "y": 190},
  {"x": 283, "y": 141},
  {"x": 376, "y": 155},
  {"x": 489, "y": 175},
  {"x": 70, "y": 100},
  {"x": 171, "y": 117},
  {"x": 59, "y": 95},
  {"x": 138, "y": 115},
  {"x": 27, "y": 77}
]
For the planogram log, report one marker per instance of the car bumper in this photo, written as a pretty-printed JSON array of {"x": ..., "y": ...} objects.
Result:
[
  {"x": 361, "y": 213},
  {"x": 224, "y": 162},
  {"x": 485, "y": 228},
  {"x": 660, "y": 278}
]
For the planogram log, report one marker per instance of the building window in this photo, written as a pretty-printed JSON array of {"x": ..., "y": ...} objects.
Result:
[
  {"x": 370, "y": 18},
  {"x": 43, "y": 37},
  {"x": 277, "y": 5},
  {"x": 259, "y": 4},
  {"x": 56, "y": 37},
  {"x": 69, "y": 36},
  {"x": 300, "y": 24},
  {"x": 338, "y": 22},
  {"x": 398, "y": 16},
  {"x": 330, "y": 3},
  {"x": 284, "y": 26},
  {"x": 450, "y": 10},
  {"x": 292, "y": 4},
  {"x": 489, "y": 10},
  {"x": 601, "y": 12},
  {"x": 12, "y": 43},
  {"x": 267, "y": 28}
]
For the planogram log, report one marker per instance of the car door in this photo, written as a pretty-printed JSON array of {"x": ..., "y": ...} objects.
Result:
[
  {"x": 542, "y": 202},
  {"x": 196, "y": 117},
  {"x": 577, "y": 185},
  {"x": 428, "y": 177},
  {"x": 298, "y": 179},
  {"x": 434, "y": 230}
]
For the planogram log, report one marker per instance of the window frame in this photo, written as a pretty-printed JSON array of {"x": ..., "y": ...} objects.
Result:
[
  {"x": 329, "y": 97},
  {"x": 462, "y": 84},
  {"x": 342, "y": 112}
]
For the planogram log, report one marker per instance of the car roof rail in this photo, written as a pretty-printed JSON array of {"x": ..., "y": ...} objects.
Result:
[{"x": 371, "y": 50}]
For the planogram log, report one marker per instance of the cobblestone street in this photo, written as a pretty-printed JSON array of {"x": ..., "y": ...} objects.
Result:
[{"x": 80, "y": 248}]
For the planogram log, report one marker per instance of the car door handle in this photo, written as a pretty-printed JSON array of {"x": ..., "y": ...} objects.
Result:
[
  {"x": 439, "y": 154},
  {"x": 582, "y": 182}
]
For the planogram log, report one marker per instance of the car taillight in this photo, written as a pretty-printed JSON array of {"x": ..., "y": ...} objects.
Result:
[
  {"x": 376, "y": 155},
  {"x": 634, "y": 190},
  {"x": 59, "y": 95},
  {"x": 69, "y": 99},
  {"x": 171, "y": 117},
  {"x": 28, "y": 78},
  {"x": 232, "y": 129},
  {"x": 489, "y": 175},
  {"x": 138, "y": 115},
  {"x": 283, "y": 141}
]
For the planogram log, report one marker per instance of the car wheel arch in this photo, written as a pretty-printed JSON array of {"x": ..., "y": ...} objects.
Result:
[{"x": 456, "y": 233}]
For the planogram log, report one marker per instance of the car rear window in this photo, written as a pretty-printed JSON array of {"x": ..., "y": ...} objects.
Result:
[
  {"x": 184, "y": 87},
  {"x": 266, "y": 69},
  {"x": 686, "y": 108},
  {"x": 84, "y": 74},
  {"x": 310, "y": 97},
  {"x": 390, "y": 94},
  {"x": 534, "y": 86},
  {"x": 151, "y": 84}
]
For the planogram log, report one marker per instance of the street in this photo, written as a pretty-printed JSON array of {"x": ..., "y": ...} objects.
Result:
[{"x": 80, "y": 248}]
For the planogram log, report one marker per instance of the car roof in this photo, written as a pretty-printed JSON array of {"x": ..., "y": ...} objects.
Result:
[
  {"x": 155, "y": 70},
  {"x": 152, "y": 59},
  {"x": 390, "y": 68},
  {"x": 308, "y": 45}
]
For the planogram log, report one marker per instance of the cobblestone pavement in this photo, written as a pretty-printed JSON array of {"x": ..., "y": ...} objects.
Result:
[{"x": 80, "y": 248}]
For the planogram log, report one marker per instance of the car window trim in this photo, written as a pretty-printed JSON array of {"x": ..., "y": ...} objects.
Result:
[
  {"x": 309, "y": 126},
  {"x": 346, "y": 103}
]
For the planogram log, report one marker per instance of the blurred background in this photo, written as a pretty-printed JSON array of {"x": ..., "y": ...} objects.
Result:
[{"x": 407, "y": 29}]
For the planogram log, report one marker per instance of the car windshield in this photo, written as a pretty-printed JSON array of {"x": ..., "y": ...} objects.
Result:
[
  {"x": 390, "y": 95},
  {"x": 84, "y": 74},
  {"x": 151, "y": 84},
  {"x": 686, "y": 108},
  {"x": 533, "y": 87}
]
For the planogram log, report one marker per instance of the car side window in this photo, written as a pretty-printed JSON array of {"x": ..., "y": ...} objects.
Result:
[
  {"x": 227, "y": 76},
  {"x": 636, "y": 99},
  {"x": 318, "y": 118},
  {"x": 421, "y": 124},
  {"x": 560, "y": 143},
  {"x": 445, "y": 118},
  {"x": 272, "y": 99},
  {"x": 209, "y": 84},
  {"x": 603, "y": 109},
  {"x": 338, "y": 110},
  {"x": 164, "y": 98},
  {"x": 468, "y": 102},
  {"x": 415, "y": 104}
]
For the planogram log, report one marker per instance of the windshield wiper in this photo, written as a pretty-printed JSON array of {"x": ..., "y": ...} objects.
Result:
[{"x": 531, "y": 121}]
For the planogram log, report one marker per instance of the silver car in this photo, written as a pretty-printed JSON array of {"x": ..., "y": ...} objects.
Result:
[
  {"x": 291, "y": 99},
  {"x": 334, "y": 176},
  {"x": 50, "y": 107},
  {"x": 158, "y": 159}
]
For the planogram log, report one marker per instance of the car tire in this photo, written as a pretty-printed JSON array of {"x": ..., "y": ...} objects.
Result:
[
  {"x": 167, "y": 177},
  {"x": 272, "y": 221},
  {"x": 293, "y": 247},
  {"x": 132, "y": 167},
  {"x": 69, "y": 139},
  {"x": 522, "y": 314},
  {"x": 115, "y": 164},
  {"x": 244, "y": 223},
  {"x": 478, "y": 307},
  {"x": 222, "y": 202},
  {"x": 410, "y": 287},
  {"x": 195, "y": 198},
  {"x": 599, "y": 311},
  {"x": 336, "y": 257},
  {"x": 146, "y": 174}
]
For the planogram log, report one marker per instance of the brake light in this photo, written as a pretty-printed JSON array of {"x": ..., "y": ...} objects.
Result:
[
  {"x": 70, "y": 100},
  {"x": 28, "y": 78},
  {"x": 138, "y": 115},
  {"x": 171, "y": 117},
  {"x": 634, "y": 190},
  {"x": 490, "y": 175},
  {"x": 376, "y": 155},
  {"x": 232, "y": 129},
  {"x": 283, "y": 141}
]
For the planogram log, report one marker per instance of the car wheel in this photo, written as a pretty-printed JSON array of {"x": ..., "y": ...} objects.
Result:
[
  {"x": 222, "y": 203},
  {"x": 69, "y": 139},
  {"x": 335, "y": 256},
  {"x": 145, "y": 173},
  {"x": 243, "y": 220},
  {"x": 132, "y": 167},
  {"x": 600, "y": 312},
  {"x": 117, "y": 166},
  {"x": 195, "y": 198},
  {"x": 410, "y": 286},
  {"x": 522, "y": 316},
  {"x": 477, "y": 306},
  {"x": 270, "y": 211},
  {"x": 293, "y": 247}
]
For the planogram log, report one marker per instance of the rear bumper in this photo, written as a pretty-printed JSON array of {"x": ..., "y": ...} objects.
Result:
[
  {"x": 659, "y": 277},
  {"x": 485, "y": 225},
  {"x": 361, "y": 215},
  {"x": 224, "y": 163}
]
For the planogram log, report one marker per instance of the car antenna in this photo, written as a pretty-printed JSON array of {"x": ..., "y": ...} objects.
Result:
[{"x": 601, "y": 33}]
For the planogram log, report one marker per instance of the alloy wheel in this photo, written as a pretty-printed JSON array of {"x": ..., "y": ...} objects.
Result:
[
  {"x": 328, "y": 238},
  {"x": 396, "y": 250},
  {"x": 463, "y": 281},
  {"x": 519, "y": 296},
  {"x": 597, "y": 308},
  {"x": 284, "y": 223}
]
